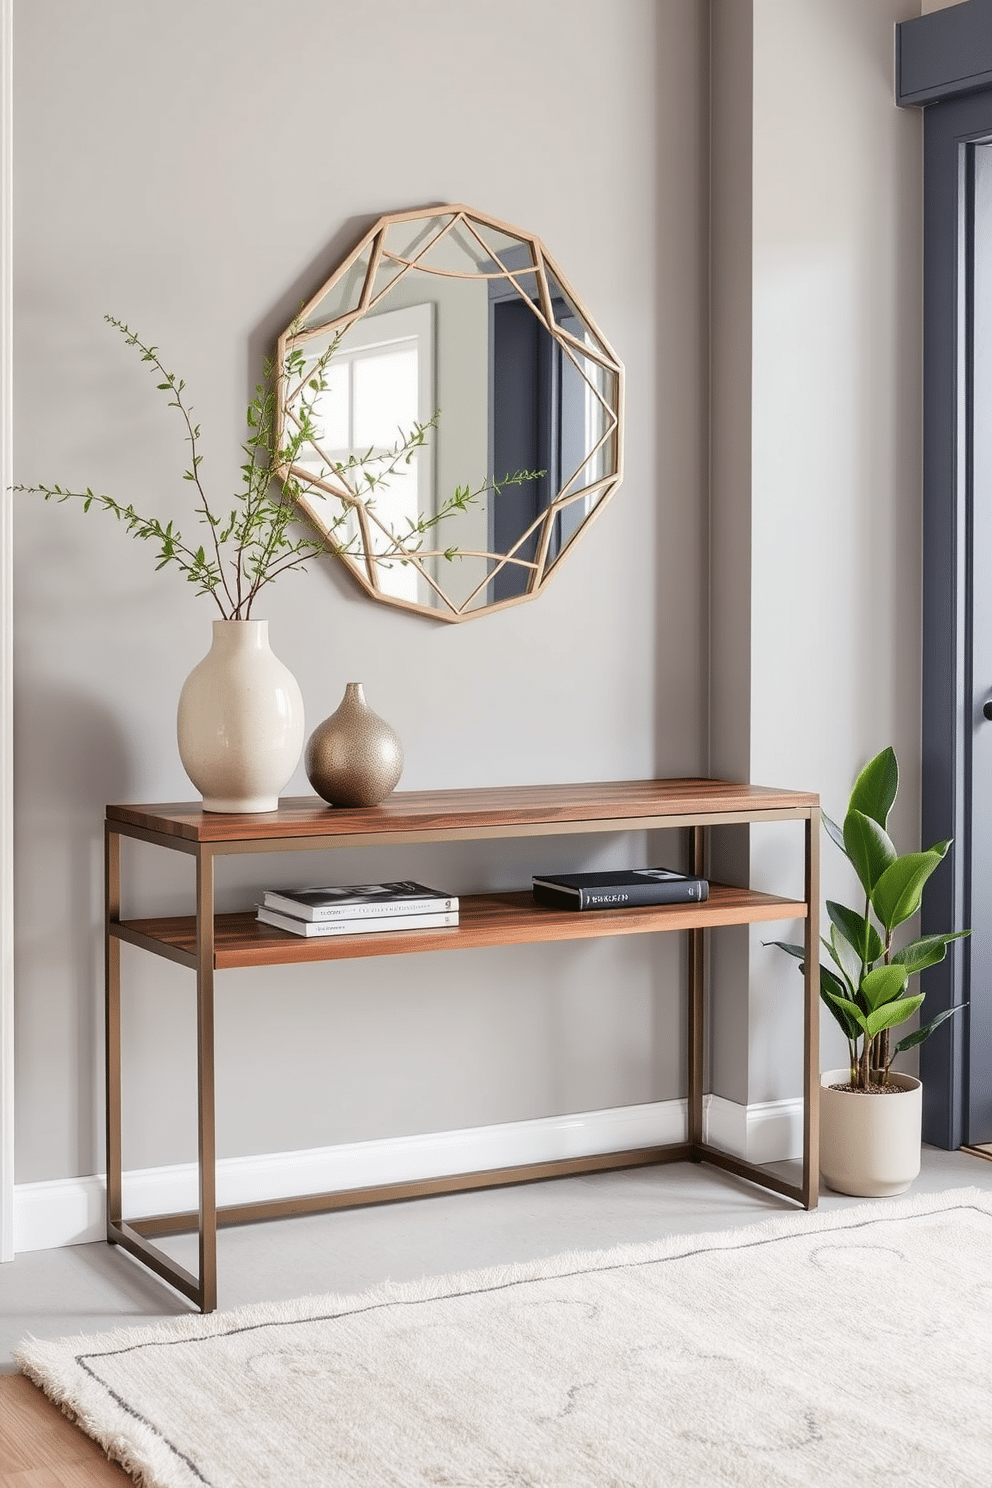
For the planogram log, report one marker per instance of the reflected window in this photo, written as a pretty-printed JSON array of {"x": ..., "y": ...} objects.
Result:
[
  {"x": 380, "y": 383},
  {"x": 514, "y": 397}
]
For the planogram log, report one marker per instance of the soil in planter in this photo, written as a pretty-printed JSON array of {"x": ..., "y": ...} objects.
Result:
[{"x": 872, "y": 1089}]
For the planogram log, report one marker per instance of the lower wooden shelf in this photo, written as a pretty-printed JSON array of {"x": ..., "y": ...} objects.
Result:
[{"x": 485, "y": 920}]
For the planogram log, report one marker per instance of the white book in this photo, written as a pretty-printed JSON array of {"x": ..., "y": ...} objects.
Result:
[
  {"x": 382, "y": 926},
  {"x": 359, "y": 901}
]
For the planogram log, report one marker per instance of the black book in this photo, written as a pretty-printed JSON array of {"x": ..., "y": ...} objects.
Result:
[{"x": 619, "y": 888}]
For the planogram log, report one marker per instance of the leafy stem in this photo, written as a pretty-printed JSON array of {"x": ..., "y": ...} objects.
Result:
[
  {"x": 252, "y": 544},
  {"x": 174, "y": 386}
]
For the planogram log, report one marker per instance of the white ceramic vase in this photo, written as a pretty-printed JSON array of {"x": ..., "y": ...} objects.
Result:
[
  {"x": 870, "y": 1144},
  {"x": 240, "y": 723}
]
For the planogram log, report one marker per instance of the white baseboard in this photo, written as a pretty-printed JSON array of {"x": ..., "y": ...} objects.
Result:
[
  {"x": 768, "y": 1131},
  {"x": 70, "y": 1211}
]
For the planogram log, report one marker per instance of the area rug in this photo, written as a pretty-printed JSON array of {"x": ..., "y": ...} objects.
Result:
[{"x": 849, "y": 1348}]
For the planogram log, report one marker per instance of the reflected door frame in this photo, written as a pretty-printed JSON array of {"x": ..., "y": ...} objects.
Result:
[
  {"x": 944, "y": 65},
  {"x": 527, "y": 364}
]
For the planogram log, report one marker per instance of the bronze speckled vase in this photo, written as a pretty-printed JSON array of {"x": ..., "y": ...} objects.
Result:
[{"x": 353, "y": 758}]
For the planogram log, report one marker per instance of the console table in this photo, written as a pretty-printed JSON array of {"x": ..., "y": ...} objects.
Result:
[{"x": 206, "y": 943}]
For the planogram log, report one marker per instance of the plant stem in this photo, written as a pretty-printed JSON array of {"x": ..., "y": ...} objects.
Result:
[{"x": 192, "y": 433}]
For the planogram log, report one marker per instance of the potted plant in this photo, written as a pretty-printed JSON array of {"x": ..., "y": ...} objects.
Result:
[
  {"x": 240, "y": 724},
  {"x": 870, "y": 1114}
]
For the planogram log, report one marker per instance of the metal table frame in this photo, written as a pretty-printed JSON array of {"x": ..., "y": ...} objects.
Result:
[{"x": 197, "y": 944}]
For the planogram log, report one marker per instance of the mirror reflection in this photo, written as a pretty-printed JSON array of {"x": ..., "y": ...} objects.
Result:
[{"x": 452, "y": 413}]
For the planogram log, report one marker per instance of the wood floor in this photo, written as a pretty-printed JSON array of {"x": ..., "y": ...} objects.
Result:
[{"x": 40, "y": 1448}]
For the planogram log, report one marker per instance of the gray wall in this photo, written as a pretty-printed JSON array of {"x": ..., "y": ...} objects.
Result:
[
  {"x": 185, "y": 168},
  {"x": 816, "y": 454}
]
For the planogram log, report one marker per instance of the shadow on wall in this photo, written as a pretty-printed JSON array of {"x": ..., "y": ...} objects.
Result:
[{"x": 79, "y": 760}]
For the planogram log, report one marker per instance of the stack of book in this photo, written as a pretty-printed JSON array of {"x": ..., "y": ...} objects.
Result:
[
  {"x": 620, "y": 888},
  {"x": 358, "y": 909}
]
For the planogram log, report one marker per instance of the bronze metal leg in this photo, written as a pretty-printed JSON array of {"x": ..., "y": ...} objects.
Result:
[
  {"x": 207, "y": 1150},
  {"x": 112, "y": 1025},
  {"x": 696, "y": 1030},
  {"x": 807, "y": 1191},
  {"x": 119, "y": 1232},
  {"x": 811, "y": 1038}
]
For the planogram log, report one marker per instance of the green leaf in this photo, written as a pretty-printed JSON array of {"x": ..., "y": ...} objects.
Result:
[
  {"x": 883, "y": 985},
  {"x": 919, "y": 1034},
  {"x": 876, "y": 787},
  {"x": 845, "y": 957},
  {"x": 927, "y": 951},
  {"x": 833, "y": 831},
  {"x": 848, "y": 1014},
  {"x": 837, "y": 998},
  {"x": 789, "y": 947},
  {"x": 896, "y": 894},
  {"x": 868, "y": 846},
  {"x": 891, "y": 1014},
  {"x": 860, "y": 932}
]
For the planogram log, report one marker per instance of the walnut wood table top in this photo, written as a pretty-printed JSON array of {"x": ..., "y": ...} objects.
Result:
[{"x": 490, "y": 809}]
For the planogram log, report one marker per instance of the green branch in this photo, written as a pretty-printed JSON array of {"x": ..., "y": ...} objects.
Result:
[{"x": 252, "y": 545}]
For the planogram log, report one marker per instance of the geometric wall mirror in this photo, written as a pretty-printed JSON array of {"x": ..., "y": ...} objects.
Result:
[{"x": 456, "y": 414}]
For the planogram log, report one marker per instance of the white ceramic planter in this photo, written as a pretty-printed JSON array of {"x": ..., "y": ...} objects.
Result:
[
  {"x": 870, "y": 1144},
  {"x": 240, "y": 722}
]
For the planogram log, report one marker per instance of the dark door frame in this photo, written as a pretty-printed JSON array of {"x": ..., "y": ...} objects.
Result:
[{"x": 944, "y": 65}]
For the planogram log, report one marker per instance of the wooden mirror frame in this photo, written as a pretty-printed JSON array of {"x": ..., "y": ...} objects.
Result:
[{"x": 535, "y": 554}]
